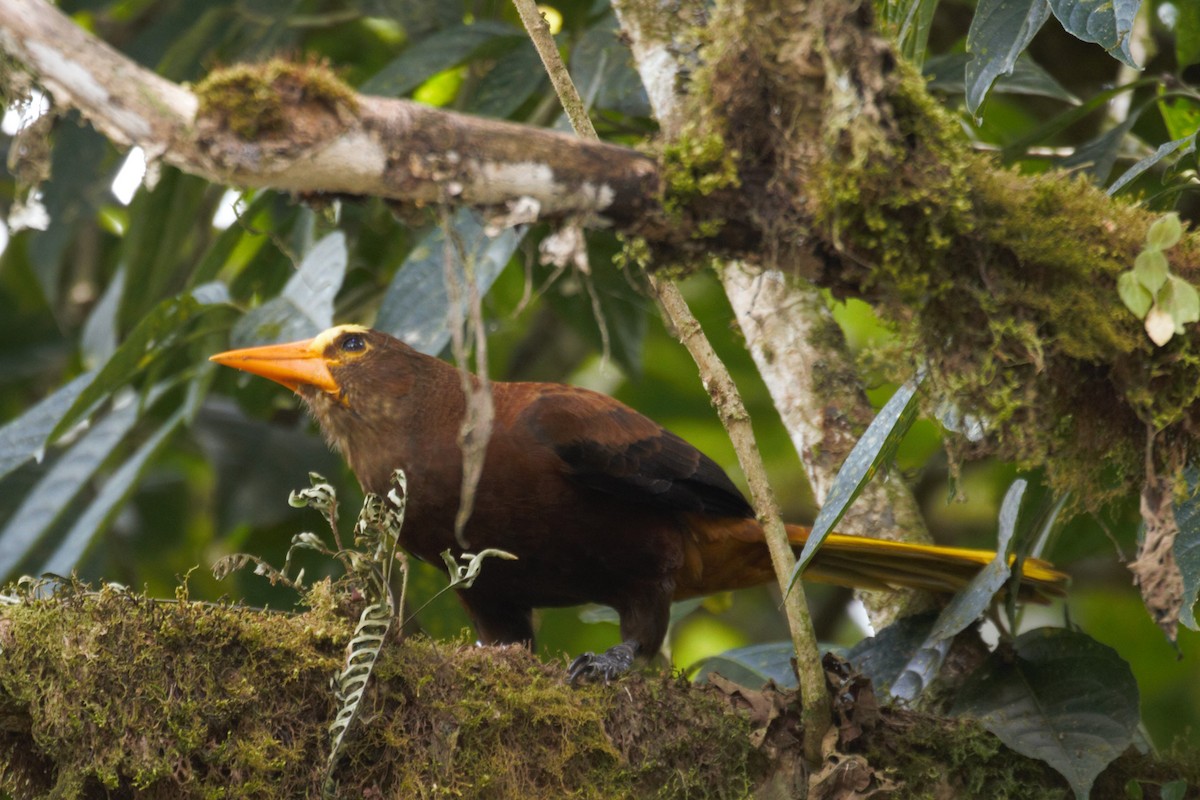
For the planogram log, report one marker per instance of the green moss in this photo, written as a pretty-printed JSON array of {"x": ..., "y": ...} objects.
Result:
[
  {"x": 252, "y": 100},
  {"x": 1004, "y": 286},
  {"x": 113, "y": 693},
  {"x": 694, "y": 166}
]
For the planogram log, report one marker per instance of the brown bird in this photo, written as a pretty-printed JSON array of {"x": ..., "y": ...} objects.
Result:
[{"x": 598, "y": 503}]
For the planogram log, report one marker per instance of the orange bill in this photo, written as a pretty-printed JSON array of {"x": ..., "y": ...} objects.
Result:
[{"x": 294, "y": 364}]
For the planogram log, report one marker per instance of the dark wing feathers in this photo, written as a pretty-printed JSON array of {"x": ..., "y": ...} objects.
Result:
[{"x": 611, "y": 448}]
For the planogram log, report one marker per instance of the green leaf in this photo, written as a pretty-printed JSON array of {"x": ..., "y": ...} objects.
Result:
[
  {"x": 1187, "y": 33},
  {"x": 1185, "y": 146},
  {"x": 156, "y": 253},
  {"x": 1150, "y": 268},
  {"x": 416, "y": 306},
  {"x": 438, "y": 53},
  {"x": 98, "y": 340},
  {"x": 884, "y": 656},
  {"x": 913, "y": 29},
  {"x": 1061, "y": 697},
  {"x": 25, "y": 437},
  {"x": 509, "y": 83},
  {"x": 876, "y": 448},
  {"x": 1108, "y": 23},
  {"x": 1000, "y": 31},
  {"x": 1164, "y": 233},
  {"x": 976, "y": 597},
  {"x": 1187, "y": 545},
  {"x": 604, "y": 304},
  {"x": 165, "y": 326},
  {"x": 78, "y": 178},
  {"x": 1133, "y": 294},
  {"x": 968, "y": 605},
  {"x": 1173, "y": 790},
  {"x": 946, "y": 73},
  {"x": 1181, "y": 115},
  {"x": 601, "y": 67},
  {"x": 1180, "y": 300},
  {"x": 305, "y": 306},
  {"x": 752, "y": 665},
  {"x": 1097, "y": 156},
  {"x": 71, "y": 471},
  {"x": 110, "y": 498},
  {"x": 1060, "y": 122}
]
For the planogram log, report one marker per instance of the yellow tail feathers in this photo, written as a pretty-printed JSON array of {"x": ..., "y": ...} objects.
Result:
[{"x": 861, "y": 562}]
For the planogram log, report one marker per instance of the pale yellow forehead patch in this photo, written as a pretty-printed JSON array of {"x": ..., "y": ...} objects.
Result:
[{"x": 326, "y": 337}]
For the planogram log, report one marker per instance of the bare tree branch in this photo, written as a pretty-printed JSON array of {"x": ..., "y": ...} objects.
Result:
[{"x": 358, "y": 145}]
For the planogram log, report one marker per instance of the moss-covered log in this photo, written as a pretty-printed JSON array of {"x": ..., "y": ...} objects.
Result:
[
  {"x": 1002, "y": 285},
  {"x": 111, "y": 694}
]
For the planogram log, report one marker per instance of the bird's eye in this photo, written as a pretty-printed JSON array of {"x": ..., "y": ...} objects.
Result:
[{"x": 354, "y": 343}]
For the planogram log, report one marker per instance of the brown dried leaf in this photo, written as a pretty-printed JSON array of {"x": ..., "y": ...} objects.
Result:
[
  {"x": 1155, "y": 571},
  {"x": 846, "y": 777}
]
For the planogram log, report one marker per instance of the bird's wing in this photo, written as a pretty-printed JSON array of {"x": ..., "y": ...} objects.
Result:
[{"x": 607, "y": 446}]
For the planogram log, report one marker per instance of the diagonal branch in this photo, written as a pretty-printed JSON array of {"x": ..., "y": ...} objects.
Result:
[{"x": 313, "y": 134}]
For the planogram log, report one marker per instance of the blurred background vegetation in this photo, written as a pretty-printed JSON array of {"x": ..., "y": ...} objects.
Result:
[{"x": 158, "y": 463}]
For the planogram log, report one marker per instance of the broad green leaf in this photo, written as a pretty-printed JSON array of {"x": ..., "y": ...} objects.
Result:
[
  {"x": 1097, "y": 156},
  {"x": 25, "y": 437},
  {"x": 1185, "y": 146},
  {"x": 1173, "y": 790},
  {"x": 1061, "y": 697},
  {"x": 884, "y": 656},
  {"x": 416, "y": 306},
  {"x": 875, "y": 449},
  {"x": 1150, "y": 268},
  {"x": 156, "y": 253},
  {"x": 1187, "y": 546},
  {"x": 1108, "y": 23},
  {"x": 1000, "y": 31},
  {"x": 604, "y": 305},
  {"x": 162, "y": 328},
  {"x": 305, "y": 306},
  {"x": 78, "y": 178},
  {"x": 1181, "y": 115},
  {"x": 1164, "y": 233},
  {"x": 56, "y": 490},
  {"x": 222, "y": 248},
  {"x": 913, "y": 27},
  {"x": 968, "y": 605},
  {"x": 602, "y": 69},
  {"x": 976, "y": 597},
  {"x": 751, "y": 666},
  {"x": 110, "y": 498},
  {"x": 438, "y": 53},
  {"x": 440, "y": 89},
  {"x": 1134, "y": 295},
  {"x": 921, "y": 670},
  {"x": 98, "y": 341},
  {"x": 1179, "y": 299},
  {"x": 1060, "y": 122},
  {"x": 947, "y": 73},
  {"x": 1187, "y": 33},
  {"x": 509, "y": 83}
]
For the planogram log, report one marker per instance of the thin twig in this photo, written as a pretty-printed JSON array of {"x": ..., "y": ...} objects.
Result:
[{"x": 725, "y": 396}]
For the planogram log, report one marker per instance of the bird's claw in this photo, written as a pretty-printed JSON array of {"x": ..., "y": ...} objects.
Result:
[{"x": 608, "y": 666}]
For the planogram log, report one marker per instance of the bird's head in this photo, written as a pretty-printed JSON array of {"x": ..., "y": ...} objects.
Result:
[
  {"x": 372, "y": 395},
  {"x": 329, "y": 364}
]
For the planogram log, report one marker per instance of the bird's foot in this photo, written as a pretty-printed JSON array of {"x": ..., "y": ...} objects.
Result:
[{"x": 609, "y": 665}]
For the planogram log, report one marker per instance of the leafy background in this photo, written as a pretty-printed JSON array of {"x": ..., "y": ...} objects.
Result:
[{"x": 128, "y": 457}]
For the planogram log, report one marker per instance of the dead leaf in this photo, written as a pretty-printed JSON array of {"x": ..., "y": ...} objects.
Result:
[
  {"x": 1155, "y": 571},
  {"x": 1160, "y": 327},
  {"x": 848, "y": 778}
]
